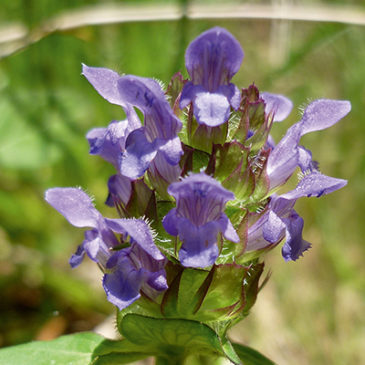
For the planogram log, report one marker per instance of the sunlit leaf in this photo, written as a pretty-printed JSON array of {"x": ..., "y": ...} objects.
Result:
[
  {"x": 250, "y": 356},
  {"x": 74, "y": 349},
  {"x": 170, "y": 337}
]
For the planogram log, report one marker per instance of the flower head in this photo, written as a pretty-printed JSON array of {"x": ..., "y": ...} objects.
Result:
[{"x": 203, "y": 176}]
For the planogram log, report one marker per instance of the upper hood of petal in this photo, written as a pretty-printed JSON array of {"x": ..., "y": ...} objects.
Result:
[
  {"x": 75, "y": 205},
  {"x": 213, "y": 58},
  {"x": 323, "y": 113},
  {"x": 105, "y": 82},
  {"x": 278, "y": 105},
  {"x": 315, "y": 184}
]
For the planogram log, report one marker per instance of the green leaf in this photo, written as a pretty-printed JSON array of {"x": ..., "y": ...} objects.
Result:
[
  {"x": 230, "y": 351},
  {"x": 170, "y": 337},
  {"x": 170, "y": 298},
  {"x": 203, "y": 137},
  {"x": 76, "y": 349},
  {"x": 117, "y": 358},
  {"x": 230, "y": 166},
  {"x": 201, "y": 296},
  {"x": 111, "y": 352},
  {"x": 224, "y": 294},
  {"x": 143, "y": 306},
  {"x": 190, "y": 293},
  {"x": 200, "y": 160},
  {"x": 241, "y": 183},
  {"x": 228, "y": 158},
  {"x": 250, "y": 356},
  {"x": 251, "y": 287},
  {"x": 106, "y": 347}
]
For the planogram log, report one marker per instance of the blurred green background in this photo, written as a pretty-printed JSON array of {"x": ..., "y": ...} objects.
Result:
[{"x": 311, "y": 311}]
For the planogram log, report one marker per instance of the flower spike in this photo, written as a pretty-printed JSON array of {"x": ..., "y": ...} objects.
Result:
[{"x": 196, "y": 214}]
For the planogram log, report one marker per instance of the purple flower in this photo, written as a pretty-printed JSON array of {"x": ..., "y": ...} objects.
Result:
[
  {"x": 199, "y": 218},
  {"x": 159, "y": 133},
  {"x": 162, "y": 174},
  {"x": 315, "y": 184},
  {"x": 109, "y": 143},
  {"x": 279, "y": 106},
  {"x": 287, "y": 155},
  {"x": 132, "y": 270},
  {"x": 212, "y": 59},
  {"x": 105, "y": 82},
  {"x": 140, "y": 143},
  {"x": 281, "y": 220},
  {"x": 120, "y": 191},
  {"x": 139, "y": 266}
]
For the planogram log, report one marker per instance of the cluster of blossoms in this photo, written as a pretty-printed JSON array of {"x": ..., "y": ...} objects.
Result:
[{"x": 196, "y": 183}]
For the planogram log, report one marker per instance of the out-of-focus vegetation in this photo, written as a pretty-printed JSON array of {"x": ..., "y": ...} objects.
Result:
[{"x": 311, "y": 311}]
